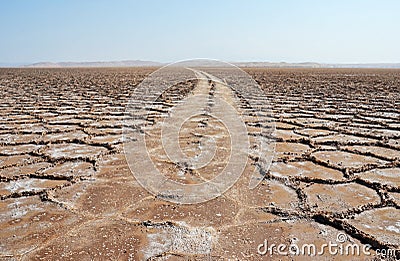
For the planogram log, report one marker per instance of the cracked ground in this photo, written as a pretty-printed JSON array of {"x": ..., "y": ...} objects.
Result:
[{"x": 67, "y": 192}]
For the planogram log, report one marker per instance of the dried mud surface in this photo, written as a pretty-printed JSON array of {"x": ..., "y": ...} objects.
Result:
[{"x": 67, "y": 192}]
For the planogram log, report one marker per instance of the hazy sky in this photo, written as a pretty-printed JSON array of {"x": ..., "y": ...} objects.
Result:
[{"x": 168, "y": 30}]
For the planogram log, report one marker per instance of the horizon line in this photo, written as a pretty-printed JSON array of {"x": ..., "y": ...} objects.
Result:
[{"x": 150, "y": 63}]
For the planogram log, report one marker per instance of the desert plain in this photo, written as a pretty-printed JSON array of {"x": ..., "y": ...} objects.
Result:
[{"x": 67, "y": 192}]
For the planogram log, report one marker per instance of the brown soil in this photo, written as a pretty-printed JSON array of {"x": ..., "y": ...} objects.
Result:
[{"x": 67, "y": 192}]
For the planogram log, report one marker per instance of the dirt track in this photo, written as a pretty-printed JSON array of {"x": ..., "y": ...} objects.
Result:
[{"x": 67, "y": 192}]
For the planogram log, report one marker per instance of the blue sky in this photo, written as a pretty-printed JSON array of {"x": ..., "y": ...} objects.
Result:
[{"x": 169, "y": 30}]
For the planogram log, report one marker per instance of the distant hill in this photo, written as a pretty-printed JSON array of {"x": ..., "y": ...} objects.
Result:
[
  {"x": 279, "y": 65},
  {"x": 11, "y": 65},
  {"x": 129, "y": 63},
  {"x": 139, "y": 63},
  {"x": 364, "y": 65},
  {"x": 316, "y": 65}
]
